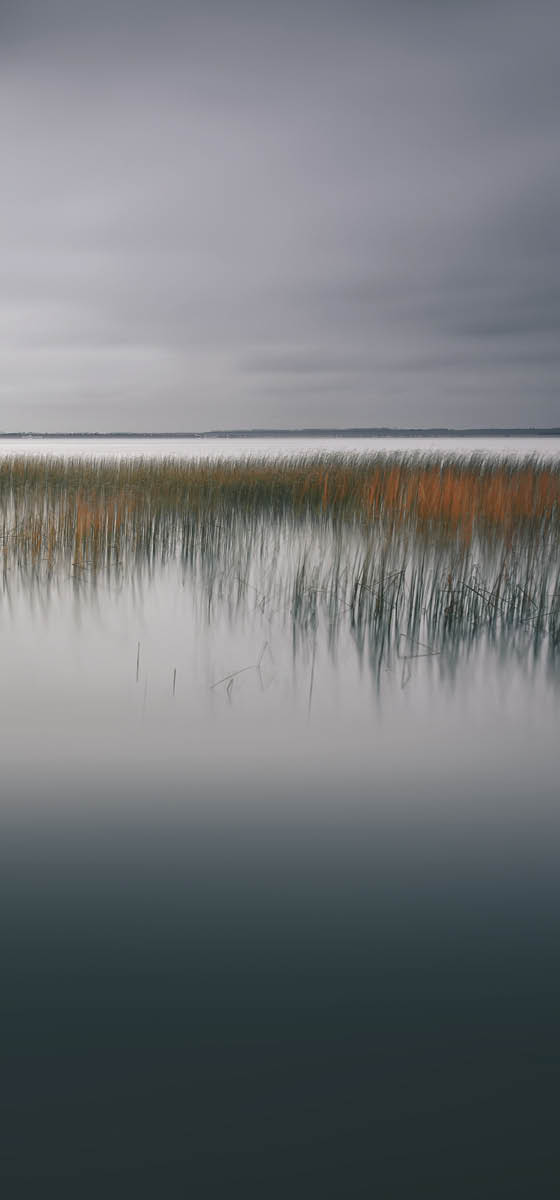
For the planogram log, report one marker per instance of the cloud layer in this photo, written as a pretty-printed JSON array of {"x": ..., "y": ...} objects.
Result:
[{"x": 227, "y": 215}]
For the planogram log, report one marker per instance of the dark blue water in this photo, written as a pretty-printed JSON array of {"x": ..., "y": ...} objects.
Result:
[{"x": 271, "y": 1006}]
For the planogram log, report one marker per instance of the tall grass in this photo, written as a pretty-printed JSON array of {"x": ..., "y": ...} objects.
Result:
[
  {"x": 459, "y": 494},
  {"x": 415, "y": 555}
]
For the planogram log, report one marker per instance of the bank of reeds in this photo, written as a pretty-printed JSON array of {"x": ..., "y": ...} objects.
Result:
[
  {"x": 463, "y": 494},
  {"x": 408, "y": 550}
]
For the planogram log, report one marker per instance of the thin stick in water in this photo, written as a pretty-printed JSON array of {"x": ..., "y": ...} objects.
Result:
[{"x": 312, "y": 677}]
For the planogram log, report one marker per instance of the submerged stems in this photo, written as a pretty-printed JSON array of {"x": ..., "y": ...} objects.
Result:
[{"x": 437, "y": 549}]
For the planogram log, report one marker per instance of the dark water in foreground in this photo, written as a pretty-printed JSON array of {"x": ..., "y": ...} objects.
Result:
[
  {"x": 267, "y": 1007},
  {"x": 269, "y": 943}
]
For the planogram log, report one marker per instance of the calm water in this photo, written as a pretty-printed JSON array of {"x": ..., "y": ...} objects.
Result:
[
  {"x": 276, "y": 932},
  {"x": 269, "y": 447}
]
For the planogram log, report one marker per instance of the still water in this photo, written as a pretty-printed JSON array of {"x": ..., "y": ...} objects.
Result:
[
  {"x": 271, "y": 923},
  {"x": 201, "y": 448}
]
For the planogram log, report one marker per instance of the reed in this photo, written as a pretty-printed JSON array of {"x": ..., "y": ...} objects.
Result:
[
  {"x": 437, "y": 492},
  {"x": 405, "y": 550}
]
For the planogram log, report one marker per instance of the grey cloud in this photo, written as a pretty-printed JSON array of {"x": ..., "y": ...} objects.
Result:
[
  {"x": 218, "y": 214},
  {"x": 303, "y": 363}
]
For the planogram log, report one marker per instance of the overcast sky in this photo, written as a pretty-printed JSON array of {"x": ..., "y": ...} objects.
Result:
[{"x": 234, "y": 214}]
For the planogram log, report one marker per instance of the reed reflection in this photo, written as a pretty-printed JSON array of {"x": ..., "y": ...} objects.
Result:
[{"x": 406, "y": 558}]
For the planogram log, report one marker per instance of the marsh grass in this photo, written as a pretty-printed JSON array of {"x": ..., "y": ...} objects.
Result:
[{"x": 416, "y": 556}]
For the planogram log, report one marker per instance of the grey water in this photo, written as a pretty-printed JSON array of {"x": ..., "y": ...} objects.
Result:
[
  {"x": 272, "y": 447},
  {"x": 271, "y": 923}
]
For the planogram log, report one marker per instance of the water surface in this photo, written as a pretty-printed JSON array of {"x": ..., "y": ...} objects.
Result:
[
  {"x": 201, "y": 448},
  {"x": 272, "y": 921}
]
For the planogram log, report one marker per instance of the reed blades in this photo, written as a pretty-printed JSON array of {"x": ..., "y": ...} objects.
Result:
[{"x": 435, "y": 550}]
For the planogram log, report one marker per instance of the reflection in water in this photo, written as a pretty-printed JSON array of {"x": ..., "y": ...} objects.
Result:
[
  {"x": 414, "y": 557},
  {"x": 279, "y": 887}
]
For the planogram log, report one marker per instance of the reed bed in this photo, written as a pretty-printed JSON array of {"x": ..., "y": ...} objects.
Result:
[
  {"x": 415, "y": 555},
  {"x": 462, "y": 494}
]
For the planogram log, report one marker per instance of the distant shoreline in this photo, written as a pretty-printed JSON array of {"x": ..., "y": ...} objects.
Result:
[{"x": 356, "y": 432}]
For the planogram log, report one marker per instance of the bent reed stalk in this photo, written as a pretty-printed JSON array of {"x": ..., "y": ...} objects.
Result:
[{"x": 408, "y": 550}]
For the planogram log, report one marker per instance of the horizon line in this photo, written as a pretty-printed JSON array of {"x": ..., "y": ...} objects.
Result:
[{"x": 310, "y": 431}]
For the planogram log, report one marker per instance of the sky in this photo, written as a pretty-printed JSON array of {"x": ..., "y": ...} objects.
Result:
[{"x": 233, "y": 214}]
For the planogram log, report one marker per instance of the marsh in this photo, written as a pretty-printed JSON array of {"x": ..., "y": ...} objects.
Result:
[{"x": 279, "y": 879}]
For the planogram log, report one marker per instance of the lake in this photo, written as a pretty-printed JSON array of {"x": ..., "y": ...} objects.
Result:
[
  {"x": 280, "y": 887},
  {"x": 239, "y": 447}
]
